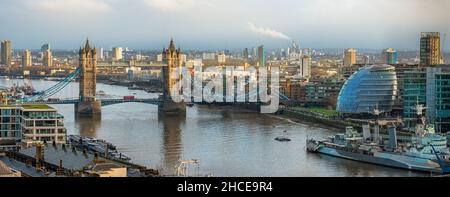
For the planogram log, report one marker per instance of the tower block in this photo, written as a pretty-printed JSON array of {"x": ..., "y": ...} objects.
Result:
[
  {"x": 172, "y": 61},
  {"x": 88, "y": 103}
]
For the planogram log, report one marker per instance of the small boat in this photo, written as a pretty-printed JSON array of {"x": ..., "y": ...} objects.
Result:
[
  {"x": 101, "y": 93},
  {"x": 282, "y": 139}
]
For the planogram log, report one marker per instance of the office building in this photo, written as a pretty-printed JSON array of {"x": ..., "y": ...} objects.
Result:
[
  {"x": 26, "y": 58},
  {"x": 100, "y": 54},
  {"x": 6, "y": 53},
  {"x": 349, "y": 57},
  {"x": 245, "y": 54},
  {"x": 47, "y": 59},
  {"x": 209, "y": 56},
  {"x": 430, "y": 48},
  {"x": 261, "y": 56},
  {"x": 117, "y": 53},
  {"x": 390, "y": 56},
  {"x": 371, "y": 87},
  {"x": 429, "y": 87},
  {"x": 366, "y": 60},
  {"x": 221, "y": 58},
  {"x": 305, "y": 66},
  {"x": 45, "y": 47}
]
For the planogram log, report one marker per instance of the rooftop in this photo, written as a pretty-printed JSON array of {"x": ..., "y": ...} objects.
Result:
[
  {"x": 71, "y": 159},
  {"x": 36, "y": 106}
]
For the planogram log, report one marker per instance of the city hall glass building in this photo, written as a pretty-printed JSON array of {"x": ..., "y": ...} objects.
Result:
[{"x": 373, "y": 86}]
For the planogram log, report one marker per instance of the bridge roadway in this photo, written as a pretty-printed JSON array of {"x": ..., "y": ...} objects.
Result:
[{"x": 104, "y": 102}]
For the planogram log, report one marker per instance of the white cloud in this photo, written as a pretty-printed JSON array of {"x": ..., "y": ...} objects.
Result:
[
  {"x": 177, "y": 5},
  {"x": 268, "y": 32},
  {"x": 69, "y": 6}
]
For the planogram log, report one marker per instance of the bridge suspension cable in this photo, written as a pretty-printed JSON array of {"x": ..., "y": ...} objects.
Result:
[{"x": 54, "y": 89}]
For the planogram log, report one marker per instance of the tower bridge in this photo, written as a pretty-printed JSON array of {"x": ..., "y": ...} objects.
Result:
[{"x": 88, "y": 103}]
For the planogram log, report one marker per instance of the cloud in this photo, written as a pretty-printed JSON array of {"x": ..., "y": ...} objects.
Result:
[
  {"x": 177, "y": 5},
  {"x": 69, "y": 6},
  {"x": 268, "y": 32}
]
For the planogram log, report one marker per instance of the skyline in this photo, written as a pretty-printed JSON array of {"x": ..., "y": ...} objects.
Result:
[{"x": 199, "y": 24}]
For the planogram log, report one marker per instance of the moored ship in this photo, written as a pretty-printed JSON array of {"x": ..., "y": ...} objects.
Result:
[{"x": 424, "y": 151}]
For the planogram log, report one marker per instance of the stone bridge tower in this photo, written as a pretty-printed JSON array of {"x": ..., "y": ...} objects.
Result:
[
  {"x": 88, "y": 103},
  {"x": 172, "y": 61}
]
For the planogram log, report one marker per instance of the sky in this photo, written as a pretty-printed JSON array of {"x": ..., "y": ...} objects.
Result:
[{"x": 222, "y": 24}]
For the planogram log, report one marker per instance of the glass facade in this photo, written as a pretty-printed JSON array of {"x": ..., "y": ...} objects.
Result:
[
  {"x": 442, "y": 112},
  {"x": 373, "y": 86},
  {"x": 414, "y": 92}
]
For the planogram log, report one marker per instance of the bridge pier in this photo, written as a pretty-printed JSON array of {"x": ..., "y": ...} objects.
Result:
[
  {"x": 170, "y": 108},
  {"x": 88, "y": 107}
]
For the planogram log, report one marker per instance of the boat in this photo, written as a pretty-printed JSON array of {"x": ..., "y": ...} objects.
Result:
[
  {"x": 283, "y": 139},
  {"x": 353, "y": 147},
  {"x": 101, "y": 93},
  {"x": 98, "y": 146},
  {"x": 134, "y": 87},
  {"x": 419, "y": 154}
]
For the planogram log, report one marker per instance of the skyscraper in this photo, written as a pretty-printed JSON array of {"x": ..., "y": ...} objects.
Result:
[
  {"x": 261, "y": 56},
  {"x": 349, "y": 57},
  {"x": 366, "y": 60},
  {"x": 430, "y": 48},
  {"x": 47, "y": 59},
  {"x": 45, "y": 47},
  {"x": 305, "y": 66},
  {"x": 254, "y": 53},
  {"x": 26, "y": 58},
  {"x": 6, "y": 52},
  {"x": 100, "y": 54},
  {"x": 246, "y": 53},
  {"x": 117, "y": 54},
  {"x": 390, "y": 56}
]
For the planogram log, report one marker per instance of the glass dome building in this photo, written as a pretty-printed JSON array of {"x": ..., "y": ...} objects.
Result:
[{"x": 373, "y": 86}]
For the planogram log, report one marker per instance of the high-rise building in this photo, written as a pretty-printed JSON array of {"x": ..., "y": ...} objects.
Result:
[
  {"x": 221, "y": 58},
  {"x": 246, "y": 53},
  {"x": 47, "y": 59},
  {"x": 295, "y": 47},
  {"x": 430, "y": 48},
  {"x": 390, "y": 56},
  {"x": 254, "y": 53},
  {"x": 45, "y": 47},
  {"x": 26, "y": 58},
  {"x": 366, "y": 60},
  {"x": 100, "y": 54},
  {"x": 428, "y": 87},
  {"x": 159, "y": 58},
  {"x": 305, "y": 67},
  {"x": 349, "y": 57},
  {"x": 117, "y": 53},
  {"x": 261, "y": 56},
  {"x": 6, "y": 52}
]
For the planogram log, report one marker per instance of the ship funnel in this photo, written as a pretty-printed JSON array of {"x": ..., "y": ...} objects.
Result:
[
  {"x": 366, "y": 132},
  {"x": 392, "y": 137}
]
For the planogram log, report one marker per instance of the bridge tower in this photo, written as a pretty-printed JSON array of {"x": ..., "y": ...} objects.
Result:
[
  {"x": 172, "y": 60},
  {"x": 88, "y": 103}
]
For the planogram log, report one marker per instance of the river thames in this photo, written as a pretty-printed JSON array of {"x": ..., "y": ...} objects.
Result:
[{"x": 226, "y": 141}]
